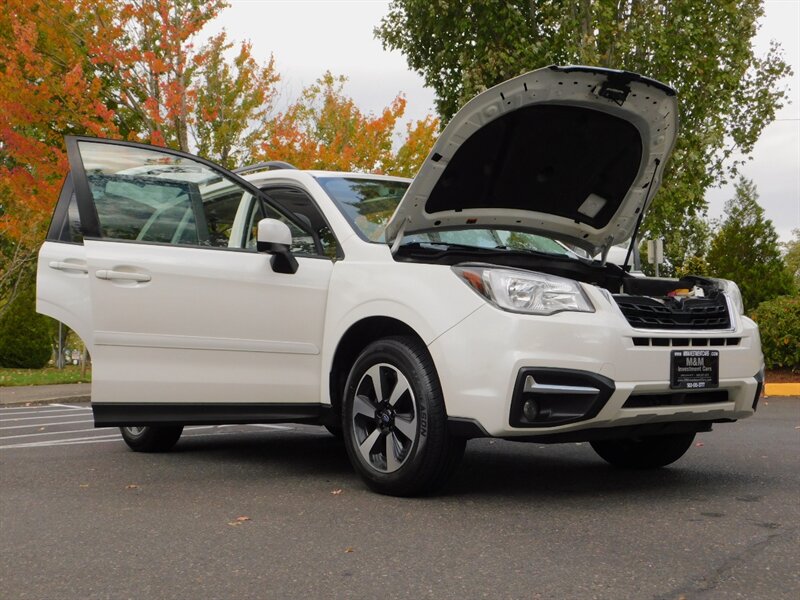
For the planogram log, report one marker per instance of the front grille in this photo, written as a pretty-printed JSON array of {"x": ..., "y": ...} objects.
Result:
[
  {"x": 694, "y": 314},
  {"x": 676, "y": 399}
]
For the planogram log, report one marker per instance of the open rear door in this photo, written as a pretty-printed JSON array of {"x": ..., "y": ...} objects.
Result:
[{"x": 62, "y": 280}]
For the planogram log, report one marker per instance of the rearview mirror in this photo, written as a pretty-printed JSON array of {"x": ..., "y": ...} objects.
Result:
[{"x": 274, "y": 237}]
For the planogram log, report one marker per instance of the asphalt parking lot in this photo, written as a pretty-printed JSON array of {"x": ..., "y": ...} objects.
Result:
[{"x": 276, "y": 512}]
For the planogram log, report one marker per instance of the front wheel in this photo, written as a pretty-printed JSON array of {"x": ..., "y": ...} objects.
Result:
[
  {"x": 394, "y": 420},
  {"x": 150, "y": 438},
  {"x": 644, "y": 452}
]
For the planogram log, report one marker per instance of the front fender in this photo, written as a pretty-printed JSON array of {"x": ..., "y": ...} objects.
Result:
[{"x": 430, "y": 299}]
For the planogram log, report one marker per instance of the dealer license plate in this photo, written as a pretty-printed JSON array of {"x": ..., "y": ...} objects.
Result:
[{"x": 694, "y": 369}]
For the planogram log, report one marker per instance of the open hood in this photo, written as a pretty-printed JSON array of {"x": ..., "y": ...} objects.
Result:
[{"x": 575, "y": 153}]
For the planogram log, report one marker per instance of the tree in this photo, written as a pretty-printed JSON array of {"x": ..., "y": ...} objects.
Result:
[
  {"x": 420, "y": 137},
  {"x": 685, "y": 249},
  {"x": 792, "y": 257},
  {"x": 233, "y": 102},
  {"x": 25, "y": 336},
  {"x": 48, "y": 88},
  {"x": 727, "y": 93},
  {"x": 746, "y": 249},
  {"x": 147, "y": 49},
  {"x": 324, "y": 129}
]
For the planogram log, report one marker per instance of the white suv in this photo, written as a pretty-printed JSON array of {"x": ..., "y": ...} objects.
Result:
[{"x": 406, "y": 316}]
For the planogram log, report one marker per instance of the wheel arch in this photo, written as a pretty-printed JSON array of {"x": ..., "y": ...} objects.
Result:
[{"x": 357, "y": 337}]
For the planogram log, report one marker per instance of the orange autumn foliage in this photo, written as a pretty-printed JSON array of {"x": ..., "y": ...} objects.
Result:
[
  {"x": 48, "y": 88},
  {"x": 149, "y": 47},
  {"x": 128, "y": 69},
  {"x": 324, "y": 129}
]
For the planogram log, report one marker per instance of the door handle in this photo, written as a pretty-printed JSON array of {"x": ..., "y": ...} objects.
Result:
[
  {"x": 68, "y": 266},
  {"x": 124, "y": 275}
]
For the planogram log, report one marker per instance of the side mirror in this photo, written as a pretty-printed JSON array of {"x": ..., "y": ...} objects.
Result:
[{"x": 274, "y": 237}]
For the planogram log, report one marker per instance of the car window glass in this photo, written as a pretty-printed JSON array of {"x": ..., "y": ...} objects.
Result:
[
  {"x": 70, "y": 230},
  {"x": 318, "y": 237},
  {"x": 146, "y": 195},
  {"x": 368, "y": 204}
]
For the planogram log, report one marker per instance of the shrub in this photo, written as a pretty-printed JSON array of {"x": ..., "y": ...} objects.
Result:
[
  {"x": 779, "y": 322},
  {"x": 25, "y": 335}
]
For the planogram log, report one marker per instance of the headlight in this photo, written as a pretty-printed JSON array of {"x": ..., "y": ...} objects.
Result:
[
  {"x": 527, "y": 292},
  {"x": 731, "y": 290}
]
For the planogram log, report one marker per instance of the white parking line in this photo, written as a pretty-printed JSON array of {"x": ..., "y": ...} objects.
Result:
[
  {"x": 114, "y": 437},
  {"x": 10, "y": 437},
  {"x": 59, "y": 416},
  {"x": 47, "y": 424},
  {"x": 97, "y": 429},
  {"x": 72, "y": 406},
  {"x": 99, "y": 439},
  {"x": 39, "y": 412}
]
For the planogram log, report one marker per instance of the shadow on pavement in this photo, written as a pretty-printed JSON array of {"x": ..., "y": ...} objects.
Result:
[{"x": 488, "y": 471}]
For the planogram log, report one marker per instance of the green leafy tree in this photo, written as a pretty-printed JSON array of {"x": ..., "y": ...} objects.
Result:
[
  {"x": 693, "y": 265},
  {"x": 746, "y": 249},
  {"x": 792, "y": 258},
  {"x": 25, "y": 336},
  {"x": 233, "y": 102},
  {"x": 779, "y": 324},
  {"x": 704, "y": 49}
]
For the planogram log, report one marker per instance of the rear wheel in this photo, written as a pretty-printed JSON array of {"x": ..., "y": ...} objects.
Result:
[
  {"x": 644, "y": 452},
  {"x": 394, "y": 420},
  {"x": 151, "y": 438}
]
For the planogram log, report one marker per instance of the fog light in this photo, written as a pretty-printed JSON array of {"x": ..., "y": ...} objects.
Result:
[{"x": 530, "y": 409}]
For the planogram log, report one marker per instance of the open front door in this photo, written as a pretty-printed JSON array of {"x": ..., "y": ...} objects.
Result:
[{"x": 190, "y": 323}]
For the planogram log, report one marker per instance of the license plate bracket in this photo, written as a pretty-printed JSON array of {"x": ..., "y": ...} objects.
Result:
[{"x": 694, "y": 369}]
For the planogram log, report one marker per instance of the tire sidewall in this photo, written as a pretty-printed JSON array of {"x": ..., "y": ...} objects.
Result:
[{"x": 423, "y": 386}]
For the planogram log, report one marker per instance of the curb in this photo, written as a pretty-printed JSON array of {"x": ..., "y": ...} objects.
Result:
[
  {"x": 782, "y": 389},
  {"x": 56, "y": 399}
]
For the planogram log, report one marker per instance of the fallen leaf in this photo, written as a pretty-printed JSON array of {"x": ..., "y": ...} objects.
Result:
[
  {"x": 336, "y": 492},
  {"x": 84, "y": 485},
  {"x": 41, "y": 429},
  {"x": 699, "y": 444},
  {"x": 131, "y": 486},
  {"x": 348, "y": 550},
  {"x": 242, "y": 519}
]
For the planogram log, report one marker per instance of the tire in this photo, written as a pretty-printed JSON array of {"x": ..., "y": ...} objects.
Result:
[
  {"x": 397, "y": 437},
  {"x": 150, "y": 438},
  {"x": 645, "y": 452}
]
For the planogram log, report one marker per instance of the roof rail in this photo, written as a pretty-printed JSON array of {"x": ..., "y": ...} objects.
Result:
[{"x": 272, "y": 165}]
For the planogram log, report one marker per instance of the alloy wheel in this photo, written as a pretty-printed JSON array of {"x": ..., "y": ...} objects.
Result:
[{"x": 384, "y": 418}]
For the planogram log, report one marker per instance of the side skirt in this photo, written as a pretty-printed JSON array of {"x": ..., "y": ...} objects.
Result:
[{"x": 121, "y": 415}]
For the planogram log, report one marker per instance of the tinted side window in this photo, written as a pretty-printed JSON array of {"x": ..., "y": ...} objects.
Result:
[{"x": 66, "y": 223}]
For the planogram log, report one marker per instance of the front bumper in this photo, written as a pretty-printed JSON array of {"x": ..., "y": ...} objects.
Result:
[{"x": 480, "y": 360}]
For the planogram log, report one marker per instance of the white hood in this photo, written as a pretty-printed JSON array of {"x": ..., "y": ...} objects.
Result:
[{"x": 574, "y": 153}]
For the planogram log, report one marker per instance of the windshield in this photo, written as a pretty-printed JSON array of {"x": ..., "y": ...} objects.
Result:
[{"x": 368, "y": 204}]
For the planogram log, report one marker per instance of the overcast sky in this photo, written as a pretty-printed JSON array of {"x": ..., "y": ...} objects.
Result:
[{"x": 308, "y": 37}]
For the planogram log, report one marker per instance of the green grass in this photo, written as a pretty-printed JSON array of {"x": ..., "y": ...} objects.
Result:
[{"x": 46, "y": 376}]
